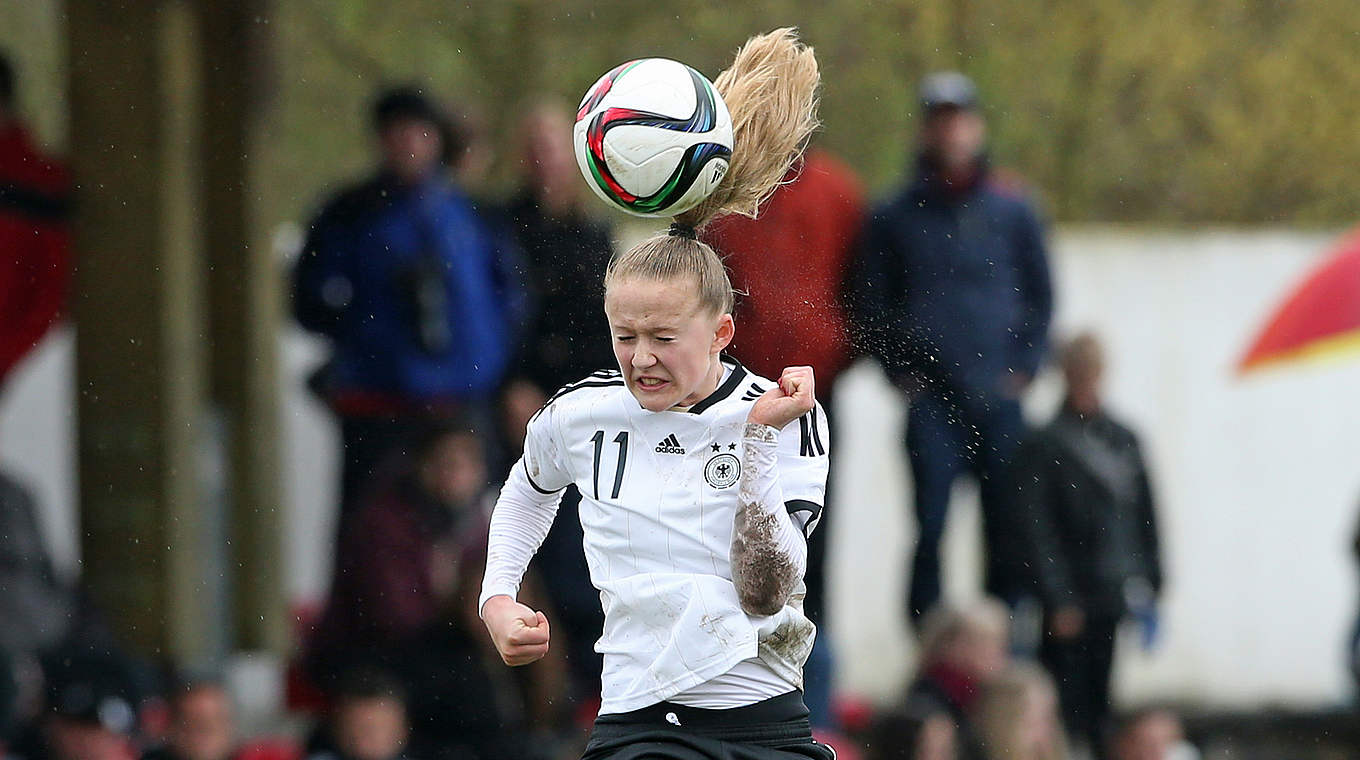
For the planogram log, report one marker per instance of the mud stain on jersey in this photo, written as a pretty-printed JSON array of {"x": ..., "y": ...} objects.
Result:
[
  {"x": 791, "y": 641},
  {"x": 765, "y": 577}
]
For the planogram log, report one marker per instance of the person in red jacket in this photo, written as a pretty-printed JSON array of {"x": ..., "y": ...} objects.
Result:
[
  {"x": 790, "y": 263},
  {"x": 34, "y": 201}
]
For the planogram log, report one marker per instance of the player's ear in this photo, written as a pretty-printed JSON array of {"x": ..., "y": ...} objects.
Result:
[{"x": 723, "y": 334}]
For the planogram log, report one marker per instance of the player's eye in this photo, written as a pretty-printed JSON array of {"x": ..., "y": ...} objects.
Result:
[
  {"x": 665, "y": 340},
  {"x": 625, "y": 338}
]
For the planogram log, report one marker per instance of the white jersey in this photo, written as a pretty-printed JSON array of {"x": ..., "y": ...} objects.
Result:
[{"x": 658, "y": 503}]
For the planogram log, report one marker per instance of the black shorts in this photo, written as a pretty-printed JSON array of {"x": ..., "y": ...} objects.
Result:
[{"x": 776, "y": 729}]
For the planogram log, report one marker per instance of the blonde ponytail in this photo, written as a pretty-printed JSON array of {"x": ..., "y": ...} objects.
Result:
[{"x": 771, "y": 91}]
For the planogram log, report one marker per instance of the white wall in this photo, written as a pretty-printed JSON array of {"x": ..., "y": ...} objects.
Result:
[{"x": 1259, "y": 477}]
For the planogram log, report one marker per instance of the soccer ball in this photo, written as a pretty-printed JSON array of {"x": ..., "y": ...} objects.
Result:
[{"x": 653, "y": 137}]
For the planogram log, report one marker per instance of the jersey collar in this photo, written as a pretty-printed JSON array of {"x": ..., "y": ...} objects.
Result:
[{"x": 729, "y": 386}]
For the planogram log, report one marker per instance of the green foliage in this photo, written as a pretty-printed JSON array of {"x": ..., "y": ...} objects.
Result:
[{"x": 1168, "y": 111}]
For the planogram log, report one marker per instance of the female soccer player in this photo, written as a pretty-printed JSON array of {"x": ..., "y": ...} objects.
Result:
[{"x": 698, "y": 490}]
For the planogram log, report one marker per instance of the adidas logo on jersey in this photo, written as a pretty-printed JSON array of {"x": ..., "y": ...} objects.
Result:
[{"x": 670, "y": 446}]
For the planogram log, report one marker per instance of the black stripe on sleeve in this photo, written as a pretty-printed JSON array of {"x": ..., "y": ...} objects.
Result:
[
  {"x": 801, "y": 505},
  {"x": 592, "y": 383},
  {"x": 816, "y": 435},
  {"x": 530, "y": 478}
]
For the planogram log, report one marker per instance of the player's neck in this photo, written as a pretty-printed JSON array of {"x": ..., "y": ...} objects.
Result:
[{"x": 710, "y": 386}]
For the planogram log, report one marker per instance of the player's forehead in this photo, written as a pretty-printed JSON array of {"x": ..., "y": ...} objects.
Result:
[{"x": 643, "y": 303}]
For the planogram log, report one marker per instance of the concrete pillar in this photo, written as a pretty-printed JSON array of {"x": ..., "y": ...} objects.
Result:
[
  {"x": 139, "y": 346},
  {"x": 245, "y": 313}
]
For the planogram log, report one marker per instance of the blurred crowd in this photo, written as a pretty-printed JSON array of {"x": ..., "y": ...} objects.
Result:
[{"x": 453, "y": 317}]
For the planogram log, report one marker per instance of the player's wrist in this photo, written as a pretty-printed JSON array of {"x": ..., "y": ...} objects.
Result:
[
  {"x": 494, "y": 605},
  {"x": 760, "y": 432}
]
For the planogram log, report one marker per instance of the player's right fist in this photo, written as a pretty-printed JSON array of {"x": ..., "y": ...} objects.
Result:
[{"x": 519, "y": 633}]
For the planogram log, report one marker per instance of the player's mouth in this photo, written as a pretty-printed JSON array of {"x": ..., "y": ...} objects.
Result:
[{"x": 651, "y": 384}]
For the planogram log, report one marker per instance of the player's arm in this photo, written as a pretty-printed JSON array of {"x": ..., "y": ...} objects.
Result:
[
  {"x": 523, "y": 515},
  {"x": 769, "y": 553}
]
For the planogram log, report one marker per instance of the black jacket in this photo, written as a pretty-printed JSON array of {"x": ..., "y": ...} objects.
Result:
[
  {"x": 565, "y": 258},
  {"x": 1085, "y": 512},
  {"x": 952, "y": 286}
]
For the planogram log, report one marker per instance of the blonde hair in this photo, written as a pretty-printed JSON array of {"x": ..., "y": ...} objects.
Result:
[
  {"x": 948, "y": 621},
  {"x": 771, "y": 91},
  {"x": 1002, "y": 715}
]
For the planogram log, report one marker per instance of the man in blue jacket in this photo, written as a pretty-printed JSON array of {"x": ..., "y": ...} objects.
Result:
[
  {"x": 414, "y": 286},
  {"x": 952, "y": 295}
]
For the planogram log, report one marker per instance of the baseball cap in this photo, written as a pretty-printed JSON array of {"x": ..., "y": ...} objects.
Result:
[
  {"x": 948, "y": 88},
  {"x": 91, "y": 690}
]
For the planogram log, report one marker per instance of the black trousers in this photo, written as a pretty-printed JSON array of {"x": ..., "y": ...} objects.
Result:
[
  {"x": 1081, "y": 666},
  {"x": 776, "y": 729}
]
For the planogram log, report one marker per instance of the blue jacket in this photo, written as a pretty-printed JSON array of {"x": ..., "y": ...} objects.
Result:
[
  {"x": 418, "y": 291},
  {"x": 952, "y": 289}
]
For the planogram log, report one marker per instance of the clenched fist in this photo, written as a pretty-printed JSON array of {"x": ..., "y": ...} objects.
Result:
[
  {"x": 519, "y": 633},
  {"x": 791, "y": 398}
]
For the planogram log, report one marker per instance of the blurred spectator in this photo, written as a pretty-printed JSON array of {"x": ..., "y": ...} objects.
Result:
[
  {"x": 368, "y": 720},
  {"x": 34, "y": 203},
  {"x": 1082, "y": 489},
  {"x": 404, "y": 601},
  {"x": 203, "y": 727},
  {"x": 1017, "y": 716},
  {"x": 952, "y": 295},
  {"x": 403, "y": 558},
  {"x": 1151, "y": 734},
  {"x": 1353, "y": 656},
  {"x": 566, "y": 253},
  {"x": 962, "y": 648},
  {"x": 415, "y": 288},
  {"x": 36, "y": 607},
  {"x": 90, "y": 712},
  {"x": 791, "y": 263}
]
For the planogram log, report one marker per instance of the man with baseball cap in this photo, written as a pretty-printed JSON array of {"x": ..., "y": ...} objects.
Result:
[
  {"x": 90, "y": 712},
  {"x": 952, "y": 295}
]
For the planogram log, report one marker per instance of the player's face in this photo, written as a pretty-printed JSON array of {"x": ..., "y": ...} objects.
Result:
[{"x": 666, "y": 343}]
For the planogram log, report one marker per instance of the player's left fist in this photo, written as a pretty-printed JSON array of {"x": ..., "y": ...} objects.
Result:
[{"x": 793, "y": 397}]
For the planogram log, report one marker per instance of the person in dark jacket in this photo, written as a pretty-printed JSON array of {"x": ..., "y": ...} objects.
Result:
[
  {"x": 565, "y": 254},
  {"x": 1088, "y": 518},
  {"x": 416, "y": 288},
  {"x": 951, "y": 294}
]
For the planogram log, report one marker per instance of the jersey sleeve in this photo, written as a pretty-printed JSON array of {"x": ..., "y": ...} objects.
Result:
[
  {"x": 803, "y": 467},
  {"x": 524, "y": 511},
  {"x": 543, "y": 461}
]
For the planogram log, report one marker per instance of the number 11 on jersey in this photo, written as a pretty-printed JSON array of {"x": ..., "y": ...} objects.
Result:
[{"x": 622, "y": 440}]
